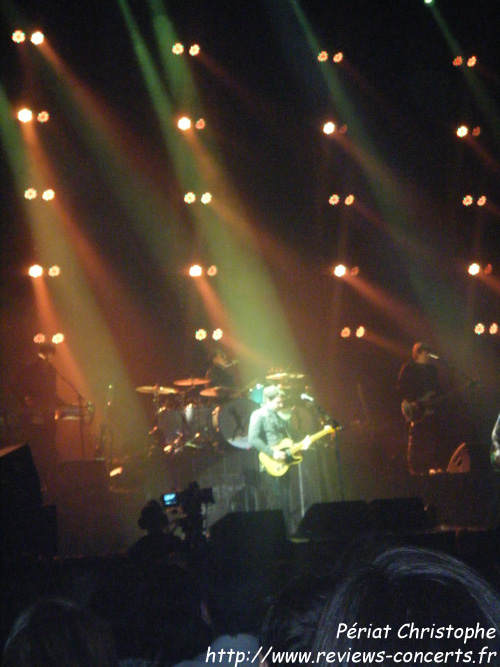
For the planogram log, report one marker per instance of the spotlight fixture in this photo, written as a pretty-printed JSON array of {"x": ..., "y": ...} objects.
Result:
[
  {"x": 200, "y": 334},
  {"x": 462, "y": 131},
  {"x": 468, "y": 200},
  {"x": 474, "y": 269},
  {"x": 493, "y": 328},
  {"x": 200, "y": 124},
  {"x": 457, "y": 61},
  {"x": 30, "y": 193},
  {"x": 349, "y": 200},
  {"x": 212, "y": 271},
  {"x": 329, "y": 128},
  {"x": 323, "y": 56},
  {"x": 35, "y": 271},
  {"x": 476, "y": 131},
  {"x": 360, "y": 332},
  {"x": 339, "y": 270},
  {"x": 48, "y": 195},
  {"x": 194, "y": 50},
  {"x": 43, "y": 117},
  {"x": 54, "y": 271},
  {"x": 217, "y": 334},
  {"x": 338, "y": 57},
  {"x": 37, "y": 38},
  {"x": 472, "y": 61},
  {"x": 18, "y": 37},
  {"x": 177, "y": 49},
  {"x": 479, "y": 328},
  {"x": 206, "y": 198},
  {"x": 346, "y": 332},
  {"x": 334, "y": 200},
  {"x": 189, "y": 197},
  {"x": 481, "y": 201},
  {"x": 184, "y": 123},
  {"x": 25, "y": 115},
  {"x": 195, "y": 271},
  {"x": 39, "y": 338}
]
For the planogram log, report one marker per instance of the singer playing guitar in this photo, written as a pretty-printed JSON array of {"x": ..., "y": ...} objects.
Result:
[{"x": 432, "y": 438}]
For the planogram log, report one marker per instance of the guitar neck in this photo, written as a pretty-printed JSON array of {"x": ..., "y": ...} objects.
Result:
[{"x": 310, "y": 439}]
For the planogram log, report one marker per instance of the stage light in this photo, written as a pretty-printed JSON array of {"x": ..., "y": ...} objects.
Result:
[
  {"x": 184, "y": 123},
  {"x": 18, "y": 37},
  {"x": 35, "y": 271},
  {"x": 25, "y": 115},
  {"x": 360, "y": 332},
  {"x": 462, "y": 131},
  {"x": 428, "y": 2},
  {"x": 474, "y": 269},
  {"x": 201, "y": 334},
  {"x": 479, "y": 328},
  {"x": 43, "y": 117},
  {"x": 116, "y": 471},
  {"x": 39, "y": 338},
  {"x": 200, "y": 124},
  {"x": 334, "y": 200},
  {"x": 338, "y": 57},
  {"x": 37, "y": 38},
  {"x": 458, "y": 61},
  {"x": 212, "y": 271},
  {"x": 493, "y": 328},
  {"x": 481, "y": 201},
  {"x": 189, "y": 197},
  {"x": 476, "y": 131},
  {"x": 329, "y": 128},
  {"x": 472, "y": 61},
  {"x": 488, "y": 269},
  {"x": 177, "y": 49},
  {"x": 58, "y": 338},
  {"x": 355, "y": 271},
  {"x": 468, "y": 200},
  {"x": 217, "y": 334},
  {"x": 343, "y": 129},
  {"x": 349, "y": 200},
  {"x": 30, "y": 193},
  {"x": 339, "y": 270},
  {"x": 346, "y": 332},
  {"x": 195, "y": 271},
  {"x": 322, "y": 56},
  {"x": 194, "y": 50},
  {"x": 48, "y": 195},
  {"x": 206, "y": 198},
  {"x": 54, "y": 271}
]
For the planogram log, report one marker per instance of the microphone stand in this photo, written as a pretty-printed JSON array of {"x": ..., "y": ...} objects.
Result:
[{"x": 81, "y": 401}]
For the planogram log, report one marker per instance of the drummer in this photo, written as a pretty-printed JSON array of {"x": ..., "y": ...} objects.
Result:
[{"x": 218, "y": 372}]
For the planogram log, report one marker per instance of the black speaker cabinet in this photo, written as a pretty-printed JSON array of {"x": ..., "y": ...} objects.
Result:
[{"x": 335, "y": 521}]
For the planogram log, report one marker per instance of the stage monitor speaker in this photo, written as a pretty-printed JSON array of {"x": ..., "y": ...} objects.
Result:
[
  {"x": 250, "y": 539},
  {"x": 335, "y": 521},
  {"x": 399, "y": 514},
  {"x": 20, "y": 500},
  {"x": 460, "y": 460}
]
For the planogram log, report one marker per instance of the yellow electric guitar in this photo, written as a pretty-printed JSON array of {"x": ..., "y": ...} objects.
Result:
[{"x": 279, "y": 468}]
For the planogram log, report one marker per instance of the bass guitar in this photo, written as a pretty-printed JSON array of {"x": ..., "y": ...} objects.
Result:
[
  {"x": 278, "y": 468},
  {"x": 416, "y": 411}
]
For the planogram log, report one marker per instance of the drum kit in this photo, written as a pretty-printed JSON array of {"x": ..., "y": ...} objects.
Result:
[{"x": 192, "y": 415}]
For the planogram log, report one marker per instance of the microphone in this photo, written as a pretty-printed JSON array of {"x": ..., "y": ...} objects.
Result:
[
  {"x": 433, "y": 356},
  {"x": 306, "y": 397}
]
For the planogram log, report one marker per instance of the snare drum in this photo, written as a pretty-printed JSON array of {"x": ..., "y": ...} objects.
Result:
[
  {"x": 231, "y": 421},
  {"x": 171, "y": 423}
]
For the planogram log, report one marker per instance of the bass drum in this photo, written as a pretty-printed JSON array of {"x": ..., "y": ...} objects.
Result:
[
  {"x": 171, "y": 423},
  {"x": 199, "y": 420},
  {"x": 231, "y": 421}
]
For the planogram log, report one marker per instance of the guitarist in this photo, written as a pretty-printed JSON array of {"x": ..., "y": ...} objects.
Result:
[
  {"x": 429, "y": 445},
  {"x": 267, "y": 428}
]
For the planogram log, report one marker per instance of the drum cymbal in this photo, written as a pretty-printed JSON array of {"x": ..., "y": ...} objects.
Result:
[
  {"x": 220, "y": 392},
  {"x": 285, "y": 376},
  {"x": 191, "y": 382},
  {"x": 156, "y": 389}
]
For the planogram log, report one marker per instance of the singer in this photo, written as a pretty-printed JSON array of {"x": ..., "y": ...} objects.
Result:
[{"x": 432, "y": 437}]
